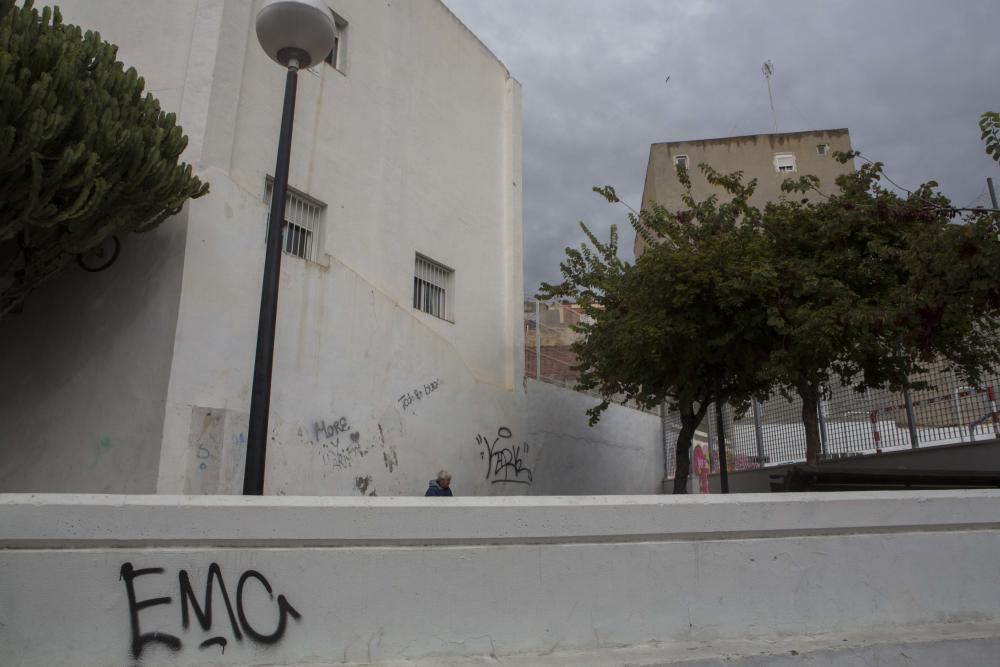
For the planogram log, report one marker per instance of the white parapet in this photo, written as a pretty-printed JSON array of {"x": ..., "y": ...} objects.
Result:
[{"x": 183, "y": 580}]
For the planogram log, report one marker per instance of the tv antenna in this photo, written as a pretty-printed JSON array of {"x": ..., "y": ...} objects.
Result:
[{"x": 768, "y": 69}]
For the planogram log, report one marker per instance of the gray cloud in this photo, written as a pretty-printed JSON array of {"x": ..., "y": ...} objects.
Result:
[{"x": 909, "y": 78}]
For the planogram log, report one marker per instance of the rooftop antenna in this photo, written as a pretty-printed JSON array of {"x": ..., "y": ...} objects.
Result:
[
  {"x": 666, "y": 82},
  {"x": 768, "y": 69}
]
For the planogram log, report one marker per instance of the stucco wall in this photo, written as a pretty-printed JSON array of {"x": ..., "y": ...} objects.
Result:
[
  {"x": 414, "y": 146},
  {"x": 346, "y": 355},
  {"x": 85, "y": 371},
  {"x": 86, "y": 364},
  {"x": 753, "y": 155},
  {"x": 378, "y": 579},
  {"x": 622, "y": 453}
]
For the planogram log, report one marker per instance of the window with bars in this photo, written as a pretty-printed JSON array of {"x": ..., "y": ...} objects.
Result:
[
  {"x": 681, "y": 161},
  {"x": 300, "y": 231},
  {"x": 784, "y": 163},
  {"x": 433, "y": 288}
]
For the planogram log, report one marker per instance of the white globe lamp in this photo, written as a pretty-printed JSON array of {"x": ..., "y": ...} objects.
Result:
[{"x": 302, "y": 31}]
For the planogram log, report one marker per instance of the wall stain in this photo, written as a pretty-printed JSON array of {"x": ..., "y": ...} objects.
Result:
[
  {"x": 363, "y": 483},
  {"x": 389, "y": 457},
  {"x": 103, "y": 445}
]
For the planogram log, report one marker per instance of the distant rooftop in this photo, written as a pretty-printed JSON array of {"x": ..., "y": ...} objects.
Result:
[{"x": 744, "y": 137}]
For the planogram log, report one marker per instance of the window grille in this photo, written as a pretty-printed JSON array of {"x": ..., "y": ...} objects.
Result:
[
  {"x": 681, "y": 161},
  {"x": 822, "y": 149},
  {"x": 433, "y": 288},
  {"x": 784, "y": 163},
  {"x": 300, "y": 231}
]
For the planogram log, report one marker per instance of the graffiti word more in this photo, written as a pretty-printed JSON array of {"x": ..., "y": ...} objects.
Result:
[
  {"x": 246, "y": 597},
  {"x": 503, "y": 461},
  {"x": 417, "y": 394},
  {"x": 332, "y": 429}
]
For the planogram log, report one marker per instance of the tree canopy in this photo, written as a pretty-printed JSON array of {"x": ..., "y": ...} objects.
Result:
[
  {"x": 84, "y": 155},
  {"x": 681, "y": 324},
  {"x": 859, "y": 286},
  {"x": 872, "y": 286}
]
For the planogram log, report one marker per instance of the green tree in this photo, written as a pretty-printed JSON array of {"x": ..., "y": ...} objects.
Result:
[
  {"x": 860, "y": 287},
  {"x": 989, "y": 123},
  {"x": 684, "y": 324},
  {"x": 871, "y": 287},
  {"x": 84, "y": 155}
]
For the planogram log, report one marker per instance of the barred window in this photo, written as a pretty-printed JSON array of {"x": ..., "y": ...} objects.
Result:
[
  {"x": 784, "y": 163},
  {"x": 433, "y": 288},
  {"x": 300, "y": 231}
]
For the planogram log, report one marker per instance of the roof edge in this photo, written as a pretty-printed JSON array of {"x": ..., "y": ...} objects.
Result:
[
  {"x": 477, "y": 38},
  {"x": 837, "y": 130}
]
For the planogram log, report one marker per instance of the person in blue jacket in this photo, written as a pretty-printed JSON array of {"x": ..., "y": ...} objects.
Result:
[{"x": 440, "y": 486}]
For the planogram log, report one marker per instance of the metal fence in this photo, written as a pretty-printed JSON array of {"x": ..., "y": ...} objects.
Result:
[{"x": 851, "y": 423}]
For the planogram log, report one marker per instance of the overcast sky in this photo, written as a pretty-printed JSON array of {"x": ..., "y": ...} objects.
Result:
[{"x": 909, "y": 78}]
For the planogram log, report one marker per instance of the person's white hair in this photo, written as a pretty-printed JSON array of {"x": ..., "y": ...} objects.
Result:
[{"x": 444, "y": 474}]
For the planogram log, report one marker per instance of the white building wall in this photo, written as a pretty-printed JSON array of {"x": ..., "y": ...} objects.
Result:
[
  {"x": 414, "y": 147},
  {"x": 519, "y": 580},
  {"x": 622, "y": 453},
  {"x": 85, "y": 366}
]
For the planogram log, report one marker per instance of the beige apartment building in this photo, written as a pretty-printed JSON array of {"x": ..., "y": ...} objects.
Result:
[{"x": 770, "y": 158}]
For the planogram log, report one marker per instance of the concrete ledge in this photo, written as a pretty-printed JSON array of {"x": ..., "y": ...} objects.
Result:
[
  {"x": 63, "y": 520},
  {"x": 104, "y": 581},
  {"x": 927, "y": 646}
]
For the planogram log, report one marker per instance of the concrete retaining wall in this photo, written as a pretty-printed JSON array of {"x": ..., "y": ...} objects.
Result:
[
  {"x": 105, "y": 580},
  {"x": 622, "y": 453}
]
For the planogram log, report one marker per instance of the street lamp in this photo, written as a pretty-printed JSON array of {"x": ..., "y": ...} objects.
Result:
[{"x": 295, "y": 34}]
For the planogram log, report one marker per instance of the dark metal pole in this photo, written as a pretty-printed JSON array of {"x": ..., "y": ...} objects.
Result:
[
  {"x": 911, "y": 420},
  {"x": 824, "y": 436},
  {"x": 721, "y": 437},
  {"x": 260, "y": 400},
  {"x": 758, "y": 429}
]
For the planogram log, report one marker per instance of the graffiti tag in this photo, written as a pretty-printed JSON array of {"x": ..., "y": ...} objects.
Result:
[
  {"x": 417, "y": 394},
  {"x": 238, "y": 622},
  {"x": 504, "y": 464}
]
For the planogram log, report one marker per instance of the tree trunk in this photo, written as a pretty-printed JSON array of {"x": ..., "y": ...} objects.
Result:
[
  {"x": 809, "y": 392},
  {"x": 682, "y": 467},
  {"x": 689, "y": 424}
]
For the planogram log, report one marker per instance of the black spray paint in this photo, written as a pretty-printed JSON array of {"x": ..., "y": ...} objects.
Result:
[
  {"x": 417, "y": 394},
  {"x": 503, "y": 463},
  {"x": 238, "y": 623}
]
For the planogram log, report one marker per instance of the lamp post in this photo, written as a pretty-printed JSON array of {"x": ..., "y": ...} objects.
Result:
[{"x": 295, "y": 34}]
